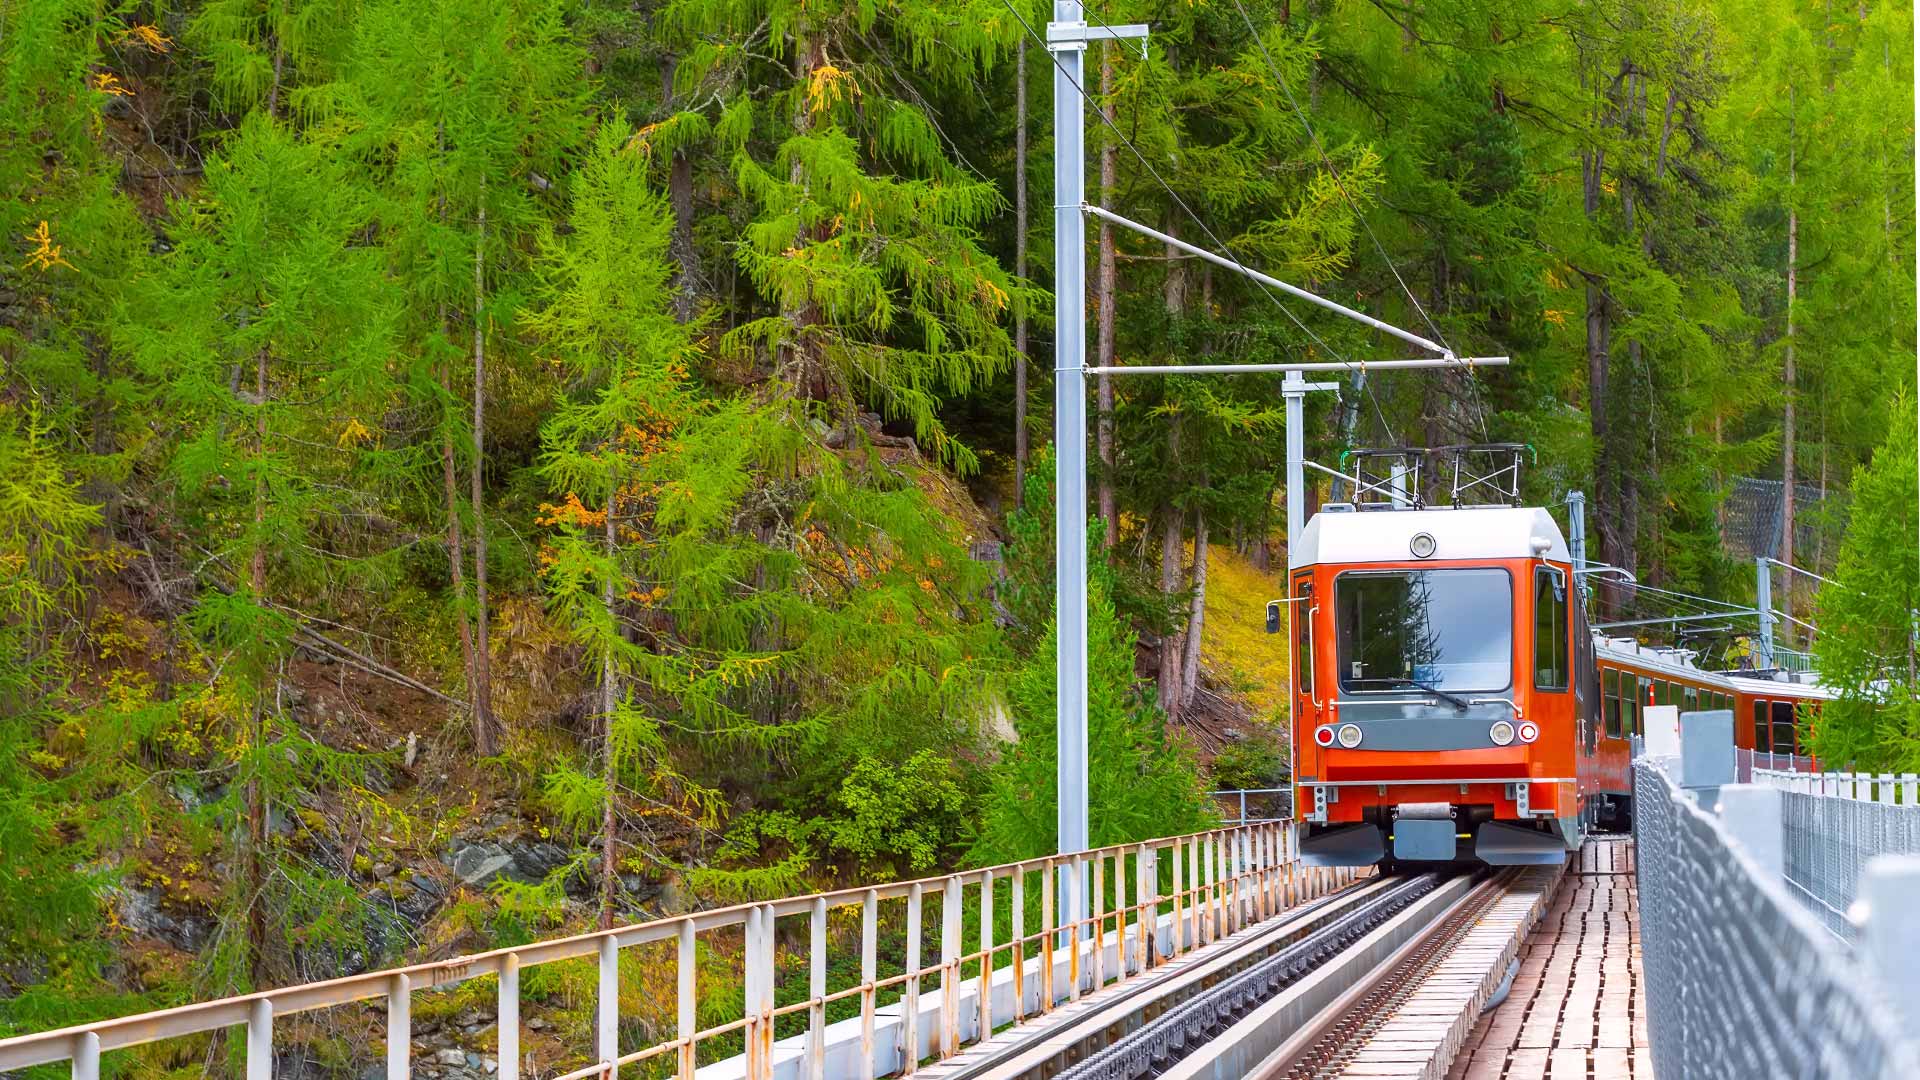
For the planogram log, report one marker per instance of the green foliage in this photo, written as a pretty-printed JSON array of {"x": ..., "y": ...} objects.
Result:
[
  {"x": 1257, "y": 761},
  {"x": 1867, "y": 616},
  {"x": 740, "y": 273},
  {"x": 1142, "y": 780}
]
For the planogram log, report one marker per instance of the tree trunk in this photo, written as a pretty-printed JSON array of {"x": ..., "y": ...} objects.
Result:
[
  {"x": 1598, "y": 349},
  {"x": 1171, "y": 647},
  {"x": 486, "y": 729},
  {"x": 686, "y": 260},
  {"x": 609, "y": 700},
  {"x": 456, "y": 555},
  {"x": 1020, "y": 272},
  {"x": 1787, "y": 425},
  {"x": 809, "y": 374},
  {"x": 1197, "y": 612},
  {"x": 256, "y": 854},
  {"x": 1104, "y": 294}
]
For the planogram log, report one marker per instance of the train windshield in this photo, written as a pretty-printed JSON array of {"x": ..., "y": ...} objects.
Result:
[{"x": 1443, "y": 629}]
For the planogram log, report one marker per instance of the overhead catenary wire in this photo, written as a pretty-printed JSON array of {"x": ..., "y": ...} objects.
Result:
[
  {"x": 1154, "y": 173},
  {"x": 1213, "y": 237},
  {"x": 1361, "y": 383},
  {"x": 1340, "y": 185}
]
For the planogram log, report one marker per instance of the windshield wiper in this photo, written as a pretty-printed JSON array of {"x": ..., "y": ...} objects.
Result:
[{"x": 1455, "y": 700}]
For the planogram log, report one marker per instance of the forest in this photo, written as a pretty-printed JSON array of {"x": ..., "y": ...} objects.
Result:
[{"x": 472, "y": 470}]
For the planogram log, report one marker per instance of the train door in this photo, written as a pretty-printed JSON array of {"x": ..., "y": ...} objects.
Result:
[{"x": 1307, "y": 707}]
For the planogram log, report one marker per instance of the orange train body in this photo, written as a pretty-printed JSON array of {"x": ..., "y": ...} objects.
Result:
[{"x": 1451, "y": 702}]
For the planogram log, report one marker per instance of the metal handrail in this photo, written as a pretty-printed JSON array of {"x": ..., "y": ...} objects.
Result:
[{"x": 1221, "y": 880}]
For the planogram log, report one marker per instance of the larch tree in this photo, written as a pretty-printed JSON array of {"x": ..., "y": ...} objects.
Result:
[
  {"x": 463, "y": 111},
  {"x": 267, "y": 333}
]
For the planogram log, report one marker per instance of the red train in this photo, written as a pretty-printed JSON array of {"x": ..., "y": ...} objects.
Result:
[{"x": 1450, "y": 701}]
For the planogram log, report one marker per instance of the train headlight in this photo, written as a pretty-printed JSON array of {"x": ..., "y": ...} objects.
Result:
[
  {"x": 1529, "y": 731},
  {"x": 1422, "y": 545},
  {"x": 1501, "y": 732},
  {"x": 1323, "y": 735},
  {"x": 1349, "y": 735}
]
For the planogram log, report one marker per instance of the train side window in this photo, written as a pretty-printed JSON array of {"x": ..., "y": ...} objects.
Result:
[
  {"x": 1762, "y": 737},
  {"x": 1302, "y": 616},
  {"x": 1550, "y": 666},
  {"x": 1693, "y": 699},
  {"x": 1611, "y": 696},
  {"x": 1640, "y": 702},
  {"x": 1783, "y": 727}
]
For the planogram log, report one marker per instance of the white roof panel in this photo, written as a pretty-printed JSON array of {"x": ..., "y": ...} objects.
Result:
[{"x": 1479, "y": 532}]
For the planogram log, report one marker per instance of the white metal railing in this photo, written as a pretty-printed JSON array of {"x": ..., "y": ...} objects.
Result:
[
  {"x": 1269, "y": 805},
  {"x": 1219, "y": 881},
  {"x": 1887, "y": 789},
  {"x": 1747, "y": 762}
]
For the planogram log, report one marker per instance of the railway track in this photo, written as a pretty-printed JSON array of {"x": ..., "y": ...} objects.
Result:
[{"x": 1293, "y": 999}]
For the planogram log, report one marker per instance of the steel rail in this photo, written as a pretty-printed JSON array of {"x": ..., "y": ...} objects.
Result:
[
  {"x": 1374, "y": 997},
  {"x": 1175, "y": 1033},
  {"x": 1034, "y": 1052}
]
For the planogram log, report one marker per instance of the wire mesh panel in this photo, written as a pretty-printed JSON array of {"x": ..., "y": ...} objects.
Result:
[
  {"x": 1741, "y": 980},
  {"x": 1828, "y": 842}
]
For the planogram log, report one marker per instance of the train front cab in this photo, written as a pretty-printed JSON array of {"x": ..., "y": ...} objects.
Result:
[{"x": 1439, "y": 700}]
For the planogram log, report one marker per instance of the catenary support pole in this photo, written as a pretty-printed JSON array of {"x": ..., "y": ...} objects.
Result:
[
  {"x": 1293, "y": 390},
  {"x": 1763, "y": 601},
  {"x": 1070, "y": 446},
  {"x": 1577, "y": 538}
]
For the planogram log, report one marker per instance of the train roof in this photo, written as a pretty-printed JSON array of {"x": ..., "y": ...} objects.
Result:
[
  {"x": 1678, "y": 663},
  {"x": 1793, "y": 687},
  {"x": 1473, "y": 532}
]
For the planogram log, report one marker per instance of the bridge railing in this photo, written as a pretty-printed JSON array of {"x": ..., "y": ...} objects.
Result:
[
  {"x": 1833, "y": 824},
  {"x": 1252, "y": 806},
  {"x": 1748, "y": 762},
  {"x": 1168, "y": 896},
  {"x": 1742, "y": 979}
]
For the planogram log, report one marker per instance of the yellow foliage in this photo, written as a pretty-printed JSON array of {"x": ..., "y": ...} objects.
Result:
[
  {"x": 1235, "y": 637},
  {"x": 571, "y": 512},
  {"x": 828, "y": 85},
  {"x": 106, "y": 82},
  {"x": 1557, "y": 318},
  {"x": 148, "y": 36},
  {"x": 45, "y": 254},
  {"x": 353, "y": 434}
]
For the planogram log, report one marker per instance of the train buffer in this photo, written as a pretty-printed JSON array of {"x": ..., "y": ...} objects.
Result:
[{"x": 1215, "y": 955}]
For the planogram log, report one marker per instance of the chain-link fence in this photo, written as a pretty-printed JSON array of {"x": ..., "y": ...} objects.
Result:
[
  {"x": 1741, "y": 980},
  {"x": 1830, "y": 836}
]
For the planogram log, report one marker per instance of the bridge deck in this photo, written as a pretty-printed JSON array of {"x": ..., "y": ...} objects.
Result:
[{"x": 1578, "y": 1008}]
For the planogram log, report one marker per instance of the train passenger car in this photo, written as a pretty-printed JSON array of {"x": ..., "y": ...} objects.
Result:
[
  {"x": 1771, "y": 716},
  {"x": 1446, "y": 688},
  {"x": 1633, "y": 677}
]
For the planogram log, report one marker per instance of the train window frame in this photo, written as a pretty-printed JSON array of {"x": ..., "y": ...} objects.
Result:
[
  {"x": 1610, "y": 700},
  {"x": 1762, "y": 726},
  {"x": 1302, "y": 634},
  {"x": 1343, "y": 681},
  {"x": 1792, "y": 721},
  {"x": 1642, "y": 698},
  {"x": 1546, "y": 579},
  {"x": 1692, "y": 696}
]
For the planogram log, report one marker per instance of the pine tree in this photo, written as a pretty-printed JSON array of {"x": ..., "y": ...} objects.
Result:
[
  {"x": 462, "y": 111},
  {"x": 1868, "y": 616},
  {"x": 268, "y": 333},
  {"x": 1142, "y": 779}
]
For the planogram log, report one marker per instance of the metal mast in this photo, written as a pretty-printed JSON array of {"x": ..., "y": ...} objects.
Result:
[{"x": 1067, "y": 39}]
